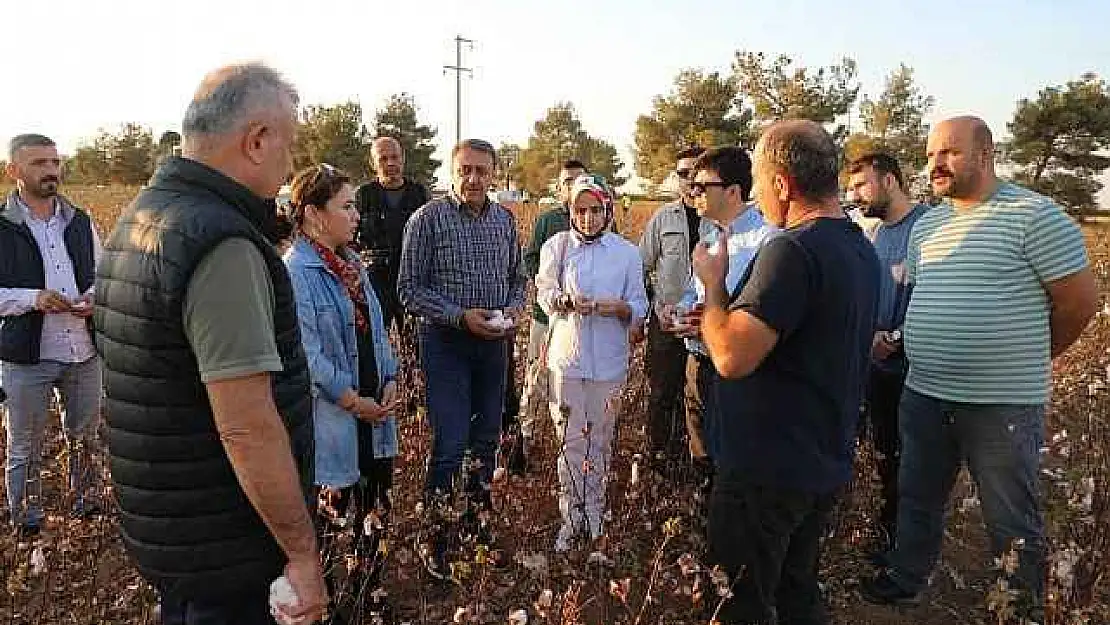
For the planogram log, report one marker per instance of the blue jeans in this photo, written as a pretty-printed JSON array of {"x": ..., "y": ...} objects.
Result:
[
  {"x": 465, "y": 380},
  {"x": 1001, "y": 446},
  {"x": 28, "y": 387}
]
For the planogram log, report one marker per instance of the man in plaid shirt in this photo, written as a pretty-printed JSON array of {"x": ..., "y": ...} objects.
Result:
[{"x": 460, "y": 276}]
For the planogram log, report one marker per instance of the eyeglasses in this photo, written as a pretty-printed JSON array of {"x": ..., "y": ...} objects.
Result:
[
  {"x": 697, "y": 188},
  {"x": 684, "y": 174}
]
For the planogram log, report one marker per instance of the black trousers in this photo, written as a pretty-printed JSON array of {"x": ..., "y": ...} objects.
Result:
[
  {"x": 385, "y": 287},
  {"x": 768, "y": 541},
  {"x": 884, "y": 392},
  {"x": 511, "y": 413},
  {"x": 251, "y": 608},
  {"x": 666, "y": 371}
]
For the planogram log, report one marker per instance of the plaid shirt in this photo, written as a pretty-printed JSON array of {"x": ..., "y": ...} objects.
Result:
[{"x": 452, "y": 260}]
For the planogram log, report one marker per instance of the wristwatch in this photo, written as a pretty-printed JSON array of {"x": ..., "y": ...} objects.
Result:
[{"x": 896, "y": 336}]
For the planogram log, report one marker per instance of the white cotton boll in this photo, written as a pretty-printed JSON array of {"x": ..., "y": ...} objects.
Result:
[
  {"x": 282, "y": 594},
  {"x": 38, "y": 562},
  {"x": 498, "y": 320},
  {"x": 518, "y": 617}
]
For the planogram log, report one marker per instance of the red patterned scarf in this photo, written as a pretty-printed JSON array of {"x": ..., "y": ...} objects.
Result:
[{"x": 350, "y": 275}]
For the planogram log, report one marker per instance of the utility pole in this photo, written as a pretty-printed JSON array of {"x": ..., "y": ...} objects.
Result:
[{"x": 459, "y": 69}]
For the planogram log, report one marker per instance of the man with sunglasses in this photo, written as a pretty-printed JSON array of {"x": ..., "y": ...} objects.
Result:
[
  {"x": 734, "y": 226},
  {"x": 550, "y": 223},
  {"x": 665, "y": 246}
]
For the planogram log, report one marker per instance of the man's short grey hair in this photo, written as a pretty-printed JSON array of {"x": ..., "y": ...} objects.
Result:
[
  {"x": 806, "y": 152},
  {"x": 478, "y": 145},
  {"x": 229, "y": 96},
  {"x": 29, "y": 140}
]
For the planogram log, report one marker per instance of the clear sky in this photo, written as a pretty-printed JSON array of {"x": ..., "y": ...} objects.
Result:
[{"x": 73, "y": 66}]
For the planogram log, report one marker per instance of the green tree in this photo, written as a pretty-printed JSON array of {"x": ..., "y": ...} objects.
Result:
[
  {"x": 1058, "y": 142},
  {"x": 895, "y": 120},
  {"x": 509, "y": 164},
  {"x": 560, "y": 136},
  {"x": 89, "y": 163},
  {"x": 702, "y": 109},
  {"x": 397, "y": 119},
  {"x": 335, "y": 135},
  {"x": 777, "y": 90},
  {"x": 131, "y": 154}
]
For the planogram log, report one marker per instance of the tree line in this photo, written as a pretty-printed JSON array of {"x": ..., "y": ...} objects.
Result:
[
  {"x": 334, "y": 134},
  {"x": 1059, "y": 139}
]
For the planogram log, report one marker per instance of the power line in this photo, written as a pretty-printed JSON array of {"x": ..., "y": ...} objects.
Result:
[{"x": 459, "y": 69}]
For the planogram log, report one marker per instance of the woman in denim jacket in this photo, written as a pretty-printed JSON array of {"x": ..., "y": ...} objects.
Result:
[{"x": 352, "y": 368}]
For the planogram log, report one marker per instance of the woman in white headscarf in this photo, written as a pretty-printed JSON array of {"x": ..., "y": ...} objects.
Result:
[{"x": 590, "y": 283}]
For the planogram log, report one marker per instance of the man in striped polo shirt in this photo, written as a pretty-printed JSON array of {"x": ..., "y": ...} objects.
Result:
[{"x": 1001, "y": 284}]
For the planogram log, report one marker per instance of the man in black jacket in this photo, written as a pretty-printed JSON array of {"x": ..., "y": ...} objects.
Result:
[
  {"x": 385, "y": 205},
  {"x": 47, "y": 266},
  {"x": 209, "y": 408}
]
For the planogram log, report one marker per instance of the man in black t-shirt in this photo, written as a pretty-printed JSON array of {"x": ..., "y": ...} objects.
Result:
[{"x": 792, "y": 348}]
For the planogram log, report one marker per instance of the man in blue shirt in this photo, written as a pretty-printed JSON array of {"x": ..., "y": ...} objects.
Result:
[
  {"x": 746, "y": 231},
  {"x": 876, "y": 183}
]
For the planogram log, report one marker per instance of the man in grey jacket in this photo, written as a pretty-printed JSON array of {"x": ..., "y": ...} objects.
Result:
[{"x": 665, "y": 247}]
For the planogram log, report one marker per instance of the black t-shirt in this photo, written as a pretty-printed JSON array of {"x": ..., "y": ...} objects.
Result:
[
  {"x": 692, "y": 221},
  {"x": 792, "y": 422},
  {"x": 393, "y": 197},
  {"x": 368, "y": 385}
]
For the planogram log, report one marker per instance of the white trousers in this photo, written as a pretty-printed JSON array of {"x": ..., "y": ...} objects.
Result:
[
  {"x": 585, "y": 417},
  {"x": 537, "y": 336}
]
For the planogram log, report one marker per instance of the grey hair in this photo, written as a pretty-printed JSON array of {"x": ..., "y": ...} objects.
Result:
[
  {"x": 19, "y": 142},
  {"x": 228, "y": 96},
  {"x": 804, "y": 151},
  {"x": 478, "y": 145}
]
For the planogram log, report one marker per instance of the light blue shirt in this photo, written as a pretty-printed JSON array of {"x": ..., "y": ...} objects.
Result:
[
  {"x": 590, "y": 347},
  {"x": 977, "y": 329},
  {"x": 746, "y": 234}
]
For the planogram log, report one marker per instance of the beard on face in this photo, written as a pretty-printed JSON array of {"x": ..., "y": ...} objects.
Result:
[
  {"x": 877, "y": 208},
  {"x": 47, "y": 187}
]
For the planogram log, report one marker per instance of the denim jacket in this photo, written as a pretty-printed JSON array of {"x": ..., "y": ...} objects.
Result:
[{"x": 327, "y": 319}]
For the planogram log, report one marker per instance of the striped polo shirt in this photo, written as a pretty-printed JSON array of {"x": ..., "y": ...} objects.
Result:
[{"x": 977, "y": 328}]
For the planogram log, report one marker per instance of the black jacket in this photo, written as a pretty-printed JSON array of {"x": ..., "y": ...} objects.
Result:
[
  {"x": 185, "y": 519},
  {"x": 21, "y": 268},
  {"x": 381, "y": 228}
]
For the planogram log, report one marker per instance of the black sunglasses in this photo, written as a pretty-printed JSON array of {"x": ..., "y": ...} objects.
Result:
[
  {"x": 697, "y": 188},
  {"x": 684, "y": 173}
]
